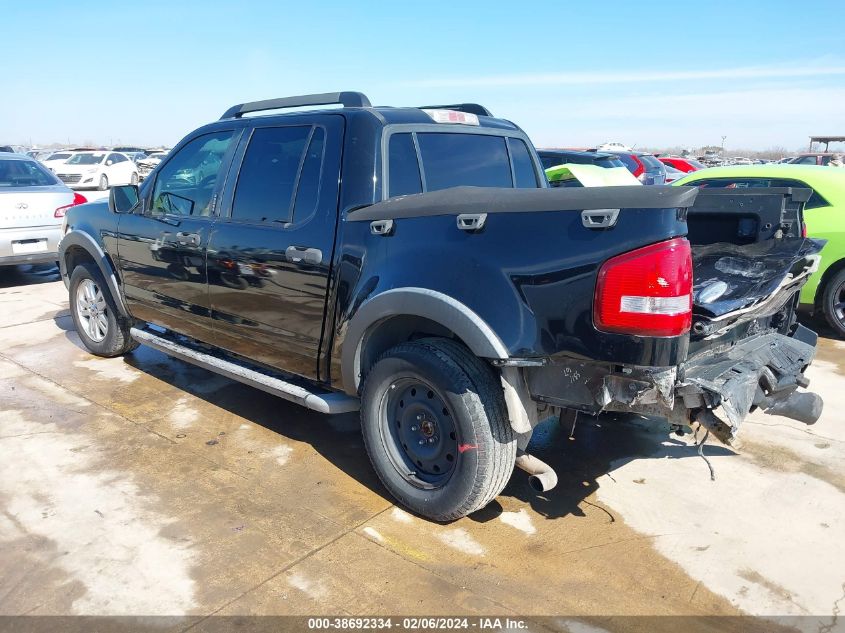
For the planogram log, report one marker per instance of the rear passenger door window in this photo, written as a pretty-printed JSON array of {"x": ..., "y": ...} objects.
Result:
[
  {"x": 310, "y": 177},
  {"x": 269, "y": 172}
]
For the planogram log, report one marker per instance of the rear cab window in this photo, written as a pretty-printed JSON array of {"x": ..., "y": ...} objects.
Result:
[{"x": 423, "y": 160}]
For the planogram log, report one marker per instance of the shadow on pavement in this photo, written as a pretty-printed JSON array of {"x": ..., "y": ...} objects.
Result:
[
  {"x": 598, "y": 442},
  {"x": 28, "y": 275},
  {"x": 598, "y": 446}
]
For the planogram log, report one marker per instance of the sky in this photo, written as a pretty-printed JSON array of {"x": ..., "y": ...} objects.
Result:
[{"x": 762, "y": 73}]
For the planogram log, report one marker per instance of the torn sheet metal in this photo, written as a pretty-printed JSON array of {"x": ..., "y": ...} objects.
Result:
[{"x": 729, "y": 277}]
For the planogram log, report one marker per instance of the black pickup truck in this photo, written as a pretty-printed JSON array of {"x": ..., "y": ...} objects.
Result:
[{"x": 414, "y": 263}]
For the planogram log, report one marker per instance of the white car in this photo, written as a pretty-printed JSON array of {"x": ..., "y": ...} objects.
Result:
[
  {"x": 56, "y": 158},
  {"x": 98, "y": 170},
  {"x": 33, "y": 204}
]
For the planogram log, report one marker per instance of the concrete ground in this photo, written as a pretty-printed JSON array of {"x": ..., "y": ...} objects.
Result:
[{"x": 142, "y": 485}]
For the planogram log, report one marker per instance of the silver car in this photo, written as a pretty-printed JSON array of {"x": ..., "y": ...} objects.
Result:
[{"x": 33, "y": 203}]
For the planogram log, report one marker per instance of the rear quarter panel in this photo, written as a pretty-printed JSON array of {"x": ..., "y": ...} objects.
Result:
[{"x": 530, "y": 276}]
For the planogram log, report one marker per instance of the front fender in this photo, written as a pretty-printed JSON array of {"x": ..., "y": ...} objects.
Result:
[{"x": 80, "y": 239}]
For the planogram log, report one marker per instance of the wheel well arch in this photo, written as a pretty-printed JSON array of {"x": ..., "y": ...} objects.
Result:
[
  {"x": 77, "y": 247},
  {"x": 397, "y": 329},
  {"x": 830, "y": 272},
  {"x": 74, "y": 255},
  {"x": 403, "y": 314}
]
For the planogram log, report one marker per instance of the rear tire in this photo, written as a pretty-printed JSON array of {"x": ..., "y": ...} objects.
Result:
[
  {"x": 833, "y": 303},
  {"x": 100, "y": 326},
  {"x": 436, "y": 428}
]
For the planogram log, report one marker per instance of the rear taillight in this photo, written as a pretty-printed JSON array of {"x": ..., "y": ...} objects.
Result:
[
  {"x": 647, "y": 292},
  {"x": 77, "y": 199},
  {"x": 803, "y": 229}
]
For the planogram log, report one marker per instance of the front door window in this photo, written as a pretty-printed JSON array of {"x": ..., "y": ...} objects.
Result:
[{"x": 185, "y": 185}]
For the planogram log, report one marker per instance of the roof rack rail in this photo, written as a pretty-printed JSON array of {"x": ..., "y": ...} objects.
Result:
[
  {"x": 472, "y": 108},
  {"x": 346, "y": 99}
]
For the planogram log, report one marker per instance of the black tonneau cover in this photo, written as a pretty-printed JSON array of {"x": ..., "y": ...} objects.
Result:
[{"x": 457, "y": 200}]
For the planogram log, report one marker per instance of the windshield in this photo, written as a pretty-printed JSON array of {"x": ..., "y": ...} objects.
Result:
[
  {"x": 58, "y": 156},
  {"x": 86, "y": 159},
  {"x": 24, "y": 173},
  {"x": 695, "y": 163}
]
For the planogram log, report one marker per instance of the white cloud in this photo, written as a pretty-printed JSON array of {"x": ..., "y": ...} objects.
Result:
[
  {"x": 812, "y": 69},
  {"x": 753, "y": 117}
]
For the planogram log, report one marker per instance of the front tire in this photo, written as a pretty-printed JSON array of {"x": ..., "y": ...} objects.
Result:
[
  {"x": 100, "y": 327},
  {"x": 133, "y": 180},
  {"x": 436, "y": 428},
  {"x": 833, "y": 303},
  {"x": 104, "y": 183}
]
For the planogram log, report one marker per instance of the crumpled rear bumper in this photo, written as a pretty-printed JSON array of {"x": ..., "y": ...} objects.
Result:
[{"x": 717, "y": 388}]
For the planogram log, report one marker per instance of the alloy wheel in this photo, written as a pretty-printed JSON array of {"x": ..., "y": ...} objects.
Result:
[{"x": 92, "y": 310}]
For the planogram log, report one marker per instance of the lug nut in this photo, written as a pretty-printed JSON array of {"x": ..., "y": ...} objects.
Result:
[
  {"x": 422, "y": 442},
  {"x": 415, "y": 428},
  {"x": 431, "y": 440}
]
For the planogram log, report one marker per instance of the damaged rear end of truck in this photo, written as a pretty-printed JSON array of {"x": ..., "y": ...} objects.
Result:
[
  {"x": 747, "y": 257},
  {"x": 667, "y": 302}
]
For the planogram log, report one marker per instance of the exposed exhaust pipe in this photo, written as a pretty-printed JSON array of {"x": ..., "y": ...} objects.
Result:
[
  {"x": 805, "y": 407},
  {"x": 542, "y": 477}
]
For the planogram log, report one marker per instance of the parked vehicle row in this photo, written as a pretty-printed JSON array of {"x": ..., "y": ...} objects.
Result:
[
  {"x": 415, "y": 264},
  {"x": 97, "y": 170},
  {"x": 90, "y": 167},
  {"x": 33, "y": 203}
]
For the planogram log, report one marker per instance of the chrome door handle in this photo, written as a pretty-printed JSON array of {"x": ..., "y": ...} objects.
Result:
[
  {"x": 188, "y": 239},
  {"x": 297, "y": 254}
]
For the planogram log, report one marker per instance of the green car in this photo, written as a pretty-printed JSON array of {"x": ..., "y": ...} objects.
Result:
[{"x": 824, "y": 215}]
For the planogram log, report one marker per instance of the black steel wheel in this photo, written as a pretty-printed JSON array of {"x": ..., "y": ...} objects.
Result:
[
  {"x": 436, "y": 428},
  {"x": 419, "y": 431}
]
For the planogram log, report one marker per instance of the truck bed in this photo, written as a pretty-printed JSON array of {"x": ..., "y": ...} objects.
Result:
[{"x": 545, "y": 247}]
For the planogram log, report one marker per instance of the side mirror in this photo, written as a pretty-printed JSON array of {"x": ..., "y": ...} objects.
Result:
[
  {"x": 108, "y": 163},
  {"x": 123, "y": 198}
]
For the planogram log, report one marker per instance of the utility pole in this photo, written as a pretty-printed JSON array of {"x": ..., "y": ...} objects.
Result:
[{"x": 723, "y": 145}]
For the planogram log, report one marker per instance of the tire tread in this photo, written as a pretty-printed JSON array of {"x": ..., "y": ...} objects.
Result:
[{"x": 484, "y": 399}]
